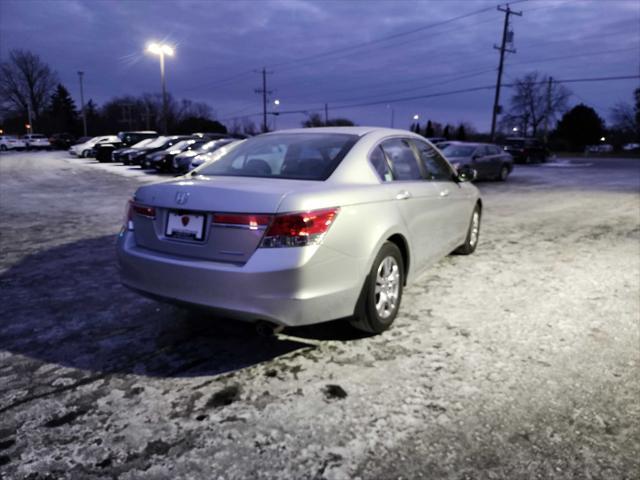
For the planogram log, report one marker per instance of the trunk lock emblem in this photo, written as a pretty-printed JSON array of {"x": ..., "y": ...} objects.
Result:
[{"x": 182, "y": 197}]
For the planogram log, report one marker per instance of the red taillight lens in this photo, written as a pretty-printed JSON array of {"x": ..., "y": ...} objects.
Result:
[
  {"x": 299, "y": 229},
  {"x": 134, "y": 208},
  {"x": 143, "y": 210},
  {"x": 242, "y": 220}
]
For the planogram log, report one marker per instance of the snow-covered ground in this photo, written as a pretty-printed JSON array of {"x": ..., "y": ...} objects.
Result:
[{"x": 520, "y": 361}]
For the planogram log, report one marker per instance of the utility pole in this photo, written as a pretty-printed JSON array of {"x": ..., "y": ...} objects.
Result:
[
  {"x": 548, "y": 112},
  {"x": 503, "y": 48},
  {"x": 84, "y": 113},
  {"x": 264, "y": 92},
  {"x": 326, "y": 114}
]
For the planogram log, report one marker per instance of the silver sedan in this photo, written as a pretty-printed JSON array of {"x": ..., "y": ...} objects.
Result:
[{"x": 302, "y": 226}]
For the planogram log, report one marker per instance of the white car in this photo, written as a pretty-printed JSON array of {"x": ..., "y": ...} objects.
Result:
[
  {"x": 84, "y": 149},
  {"x": 36, "y": 140},
  {"x": 11, "y": 142}
]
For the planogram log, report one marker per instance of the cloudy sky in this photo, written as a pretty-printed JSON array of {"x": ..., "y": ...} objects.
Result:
[{"x": 366, "y": 59}]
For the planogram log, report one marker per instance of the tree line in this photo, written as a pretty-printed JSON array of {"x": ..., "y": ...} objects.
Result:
[{"x": 30, "y": 89}]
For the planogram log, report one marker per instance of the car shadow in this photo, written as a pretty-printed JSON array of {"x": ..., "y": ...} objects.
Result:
[{"x": 66, "y": 306}]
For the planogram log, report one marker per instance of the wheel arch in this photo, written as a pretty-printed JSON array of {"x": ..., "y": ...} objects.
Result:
[{"x": 401, "y": 242}]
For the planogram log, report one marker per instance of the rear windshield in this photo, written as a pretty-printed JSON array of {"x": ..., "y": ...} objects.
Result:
[
  {"x": 514, "y": 143},
  {"x": 302, "y": 156}
]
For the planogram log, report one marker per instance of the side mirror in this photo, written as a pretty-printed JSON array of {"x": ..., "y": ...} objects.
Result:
[{"x": 466, "y": 174}]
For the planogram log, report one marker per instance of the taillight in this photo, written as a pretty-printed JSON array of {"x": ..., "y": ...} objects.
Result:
[
  {"x": 134, "y": 208},
  {"x": 299, "y": 229},
  {"x": 250, "y": 221}
]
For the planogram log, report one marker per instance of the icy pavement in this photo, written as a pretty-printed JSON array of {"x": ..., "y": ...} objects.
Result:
[{"x": 520, "y": 361}]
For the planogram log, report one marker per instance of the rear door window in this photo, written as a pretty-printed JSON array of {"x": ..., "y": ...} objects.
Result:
[
  {"x": 402, "y": 159},
  {"x": 380, "y": 164},
  {"x": 436, "y": 167}
]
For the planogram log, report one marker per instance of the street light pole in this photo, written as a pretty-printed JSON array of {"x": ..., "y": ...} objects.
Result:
[
  {"x": 164, "y": 94},
  {"x": 161, "y": 51},
  {"x": 84, "y": 112}
]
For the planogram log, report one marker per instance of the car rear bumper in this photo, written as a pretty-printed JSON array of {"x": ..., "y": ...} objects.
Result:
[{"x": 287, "y": 286}]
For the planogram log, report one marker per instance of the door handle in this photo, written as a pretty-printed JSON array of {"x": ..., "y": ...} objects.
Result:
[
  {"x": 403, "y": 195},
  {"x": 444, "y": 193}
]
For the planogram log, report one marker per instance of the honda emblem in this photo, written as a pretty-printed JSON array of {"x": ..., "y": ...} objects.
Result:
[{"x": 182, "y": 197}]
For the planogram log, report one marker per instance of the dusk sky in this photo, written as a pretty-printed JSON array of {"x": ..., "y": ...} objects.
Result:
[{"x": 344, "y": 53}]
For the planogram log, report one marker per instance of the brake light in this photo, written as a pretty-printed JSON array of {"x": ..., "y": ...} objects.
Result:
[
  {"x": 299, "y": 229},
  {"x": 134, "y": 208},
  {"x": 242, "y": 220}
]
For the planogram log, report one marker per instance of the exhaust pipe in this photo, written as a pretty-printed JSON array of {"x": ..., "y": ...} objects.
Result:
[{"x": 268, "y": 329}]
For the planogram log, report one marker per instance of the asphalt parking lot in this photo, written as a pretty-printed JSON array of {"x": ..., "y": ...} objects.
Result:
[{"x": 520, "y": 361}]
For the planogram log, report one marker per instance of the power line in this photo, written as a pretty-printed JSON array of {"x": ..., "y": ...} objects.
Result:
[
  {"x": 454, "y": 92},
  {"x": 342, "y": 50}
]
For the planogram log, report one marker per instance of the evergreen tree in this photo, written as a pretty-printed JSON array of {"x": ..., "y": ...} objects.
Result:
[
  {"x": 62, "y": 111},
  {"x": 428, "y": 132},
  {"x": 580, "y": 126},
  {"x": 446, "y": 134},
  {"x": 461, "y": 134}
]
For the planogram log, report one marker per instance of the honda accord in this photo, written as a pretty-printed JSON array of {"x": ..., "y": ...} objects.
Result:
[{"x": 301, "y": 226}]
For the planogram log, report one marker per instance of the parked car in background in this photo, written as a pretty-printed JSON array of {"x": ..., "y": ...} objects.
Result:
[
  {"x": 631, "y": 147},
  {"x": 118, "y": 154},
  {"x": 302, "y": 226},
  {"x": 162, "y": 160},
  {"x": 138, "y": 157},
  {"x": 600, "y": 148},
  {"x": 81, "y": 140},
  {"x": 104, "y": 150},
  {"x": 489, "y": 161},
  {"x": 435, "y": 140},
  {"x": 526, "y": 150},
  {"x": 61, "y": 141},
  {"x": 11, "y": 142},
  {"x": 181, "y": 162},
  {"x": 36, "y": 141},
  {"x": 212, "y": 155},
  {"x": 85, "y": 149}
]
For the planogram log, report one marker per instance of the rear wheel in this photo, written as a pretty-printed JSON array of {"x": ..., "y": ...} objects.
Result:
[
  {"x": 85, "y": 153},
  {"x": 381, "y": 294},
  {"x": 3, "y": 148},
  {"x": 473, "y": 234}
]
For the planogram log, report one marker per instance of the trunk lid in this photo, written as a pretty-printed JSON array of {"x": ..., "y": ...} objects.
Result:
[{"x": 206, "y": 197}]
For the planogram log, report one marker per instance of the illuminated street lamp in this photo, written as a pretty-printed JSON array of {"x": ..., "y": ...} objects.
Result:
[
  {"x": 514, "y": 129},
  {"x": 416, "y": 117},
  {"x": 276, "y": 104},
  {"x": 602, "y": 139},
  {"x": 161, "y": 50}
]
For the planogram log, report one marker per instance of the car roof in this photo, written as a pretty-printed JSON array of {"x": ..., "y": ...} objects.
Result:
[{"x": 359, "y": 131}]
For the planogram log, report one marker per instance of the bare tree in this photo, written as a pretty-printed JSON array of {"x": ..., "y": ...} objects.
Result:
[
  {"x": 623, "y": 117},
  {"x": 534, "y": 100},
  {"x": 26, "y": 82}
]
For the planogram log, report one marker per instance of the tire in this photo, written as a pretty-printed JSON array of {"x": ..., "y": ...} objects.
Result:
[
  {"x": 504, "y": 173},
  {"x": 85, "y": 153},
  {"x": 376, "y": 310},
  {"x": 471, "y": 241},
  {"x": 3, "y": 148}
]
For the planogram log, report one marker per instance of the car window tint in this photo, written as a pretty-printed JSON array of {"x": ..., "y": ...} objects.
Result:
[
  {"x": 379, "y": 162},
  {"x": 435, "y": 166},
  {"x": 312, "y": 156},
  {"x": 493, "y": 150},
  {"x": 402, "y": 158}
]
